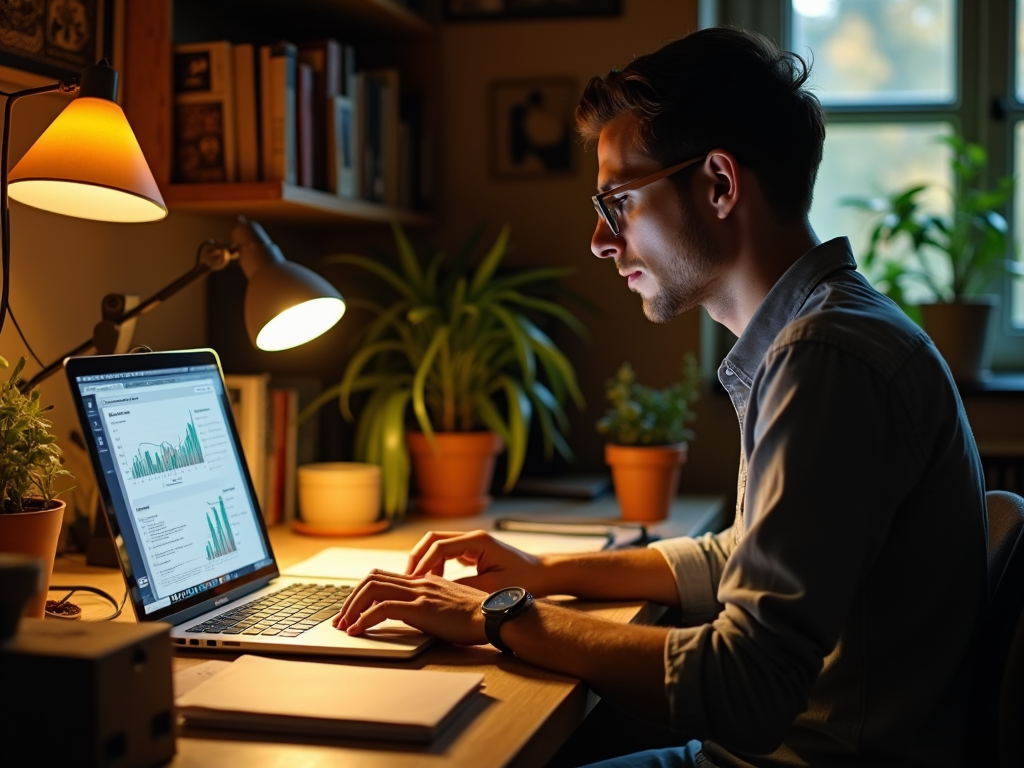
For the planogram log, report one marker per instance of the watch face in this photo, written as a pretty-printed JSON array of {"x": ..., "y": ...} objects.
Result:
[{"x": 504, "y": 598}]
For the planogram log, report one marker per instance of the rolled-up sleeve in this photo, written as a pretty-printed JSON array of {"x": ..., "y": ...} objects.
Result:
[{"x": 697, "y": 565}]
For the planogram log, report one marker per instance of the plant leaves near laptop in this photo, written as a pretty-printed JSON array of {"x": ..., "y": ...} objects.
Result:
[
  {"x": 458, "y": 349},
  {"x": 643, "y": 415},
  {"x": 954, "y": 255},
  {"x": 30, "y": 462}
]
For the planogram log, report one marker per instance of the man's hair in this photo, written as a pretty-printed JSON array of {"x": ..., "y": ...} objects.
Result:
[{"x": 719, "y": 88}]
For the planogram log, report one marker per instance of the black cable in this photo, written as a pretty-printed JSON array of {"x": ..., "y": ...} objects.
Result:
[
  {"x": 82, "y": 588},
  {"x": 10, "y": 311}
]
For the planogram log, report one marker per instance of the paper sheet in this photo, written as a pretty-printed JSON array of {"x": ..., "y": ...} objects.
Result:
[{"x": 354, "y": 563}]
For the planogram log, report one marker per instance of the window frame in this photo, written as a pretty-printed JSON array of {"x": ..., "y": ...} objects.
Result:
[{"x": 986, "y": 109}]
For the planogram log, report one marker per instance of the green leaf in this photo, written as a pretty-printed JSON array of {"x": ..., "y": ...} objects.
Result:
[
  {"x": 519, "y": 414},
  {"x": 490, "y": 263},
  {"x": 407, "y": 258},
  {"x": 385, "y": 273},
  {"x": 419, "y": 405}
]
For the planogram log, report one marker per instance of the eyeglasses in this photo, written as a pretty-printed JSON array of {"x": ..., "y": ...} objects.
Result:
[{"x": 604, "y": 201}]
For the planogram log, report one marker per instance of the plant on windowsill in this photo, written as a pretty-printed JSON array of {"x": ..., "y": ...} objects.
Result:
[
  {"x": 952, "y": 259},
  {"x": 648, "y": 439},
  {"x": 458, "y": 350},
  {"x": 30, "y": 466}
]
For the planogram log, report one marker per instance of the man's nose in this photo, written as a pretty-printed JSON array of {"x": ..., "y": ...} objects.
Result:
[{"x": 603, "y": 243}]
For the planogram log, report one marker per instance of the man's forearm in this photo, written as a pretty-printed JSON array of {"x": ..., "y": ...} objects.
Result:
[
  {"x": 623, "y": 662},
  {"x": 629, "y": 574}
]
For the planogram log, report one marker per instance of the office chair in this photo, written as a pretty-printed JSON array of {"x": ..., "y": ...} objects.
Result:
[{"x": 998, "y": 707}]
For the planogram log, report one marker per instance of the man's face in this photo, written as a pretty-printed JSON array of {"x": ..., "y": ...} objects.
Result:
[{"x": 664, "y": 248}]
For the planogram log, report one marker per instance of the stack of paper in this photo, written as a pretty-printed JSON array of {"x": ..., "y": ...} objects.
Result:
[{"x": 311, "y": 698}]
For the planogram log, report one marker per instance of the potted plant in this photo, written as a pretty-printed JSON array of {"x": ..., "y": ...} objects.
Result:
[
  {"x": 648, "y": 439},
  {"x": 457, "y": 356},
  {"x": 30, "y": 465},
  {"x": 952, "y": 258}
]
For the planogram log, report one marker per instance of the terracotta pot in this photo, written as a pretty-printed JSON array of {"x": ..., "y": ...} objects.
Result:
[
  {"x": 36, "y": 534},
  {"x": 960, "y": 333},
  {"x": 645, "y": 477},
  {"x": 454, "y": 480}
]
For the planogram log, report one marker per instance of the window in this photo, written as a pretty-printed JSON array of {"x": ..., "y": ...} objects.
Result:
[{"x": 894, "y": 75}]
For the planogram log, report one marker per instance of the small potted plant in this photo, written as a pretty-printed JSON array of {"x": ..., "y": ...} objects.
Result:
[
  {"x": 455, "y": 368},
  {"x": 648, "y": 439},
  {"x": 952, "y": 257},
  {"x": 30, "y": 464}
]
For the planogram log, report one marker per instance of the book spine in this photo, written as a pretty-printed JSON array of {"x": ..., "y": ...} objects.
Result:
[
  {"x": 325, "y": 59},
  {"x": 204, "y": 113},
  {"x": 246, "y": 114},
  {"x": 340, "y": 155},
  {"x": 278, "y": 75},
  {"x": 304, "y": 121}
]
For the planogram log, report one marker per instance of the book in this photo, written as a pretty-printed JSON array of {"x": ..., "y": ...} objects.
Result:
[
  {"x": 312, "y": 698},
  {"x": 383, "y": 131},
  {"x": 325, "y": 59},
  {"x": 279, "y": 151},
  {"x": 249, "y": 398},
  {"x": 341, "y": 176},
  {"x": 247, "y": 139},
  {"x": 304, "y": 126},
  {"x": 204, "y": 113}
]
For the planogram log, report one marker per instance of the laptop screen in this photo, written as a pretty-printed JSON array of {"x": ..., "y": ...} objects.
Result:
[{"x": 167, "y": 458}]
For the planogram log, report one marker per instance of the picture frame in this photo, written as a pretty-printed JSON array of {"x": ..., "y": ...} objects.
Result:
[
  {"x": 482, "y": 10},
  {"x": 531, "y": 132},
  {"x": 46, "y": 40}
]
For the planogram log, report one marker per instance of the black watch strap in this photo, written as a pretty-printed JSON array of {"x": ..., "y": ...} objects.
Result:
[{"x": 493, "y": 622}]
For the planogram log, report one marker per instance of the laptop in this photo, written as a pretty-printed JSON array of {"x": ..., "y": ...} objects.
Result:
[{"x": 190, "y": 536}]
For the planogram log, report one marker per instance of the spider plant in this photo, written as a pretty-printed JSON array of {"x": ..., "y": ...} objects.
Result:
[{"x": 457, "y": 349}]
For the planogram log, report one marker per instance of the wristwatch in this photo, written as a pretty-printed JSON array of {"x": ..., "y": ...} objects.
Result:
[{"x": 498, "y": 607}]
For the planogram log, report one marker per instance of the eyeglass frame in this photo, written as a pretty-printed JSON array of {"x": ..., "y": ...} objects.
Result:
[{"x": 600, "y": 199}]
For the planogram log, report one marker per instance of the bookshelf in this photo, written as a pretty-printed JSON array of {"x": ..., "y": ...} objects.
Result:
[{"x": 385, "y": 34}]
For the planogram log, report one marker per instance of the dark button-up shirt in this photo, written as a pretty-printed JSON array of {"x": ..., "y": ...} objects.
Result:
[{"x": 841, "y": 603}]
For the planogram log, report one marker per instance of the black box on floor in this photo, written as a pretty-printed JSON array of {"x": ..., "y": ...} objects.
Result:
[{"x": 79, "y": 694}]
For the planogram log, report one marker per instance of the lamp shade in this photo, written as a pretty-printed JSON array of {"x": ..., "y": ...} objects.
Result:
[
  {"x": 88, "y": 164},
  {"x": 286, "y": 304}
]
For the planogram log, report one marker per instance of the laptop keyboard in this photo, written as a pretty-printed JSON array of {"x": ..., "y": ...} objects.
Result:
[{"x": 286, "y": 613}]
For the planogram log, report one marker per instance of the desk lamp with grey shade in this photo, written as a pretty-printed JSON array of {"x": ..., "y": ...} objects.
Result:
[{"x": 286, "y": 305}]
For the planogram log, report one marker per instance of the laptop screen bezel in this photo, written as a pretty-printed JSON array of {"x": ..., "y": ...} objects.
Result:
[{"x": 100, "y": 365}]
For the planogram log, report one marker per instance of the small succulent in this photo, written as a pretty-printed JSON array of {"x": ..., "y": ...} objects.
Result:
[
  {"x": 642, "y": 415},
  {"x": 30, "y": 462}
]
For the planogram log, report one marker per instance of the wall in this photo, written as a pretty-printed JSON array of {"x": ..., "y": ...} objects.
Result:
[
  {"x": 552, "y": 218},
  {"x": 62, "y": 267}
]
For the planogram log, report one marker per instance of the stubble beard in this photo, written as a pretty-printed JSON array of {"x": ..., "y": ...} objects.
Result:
[{"x": 685, "y": 280}]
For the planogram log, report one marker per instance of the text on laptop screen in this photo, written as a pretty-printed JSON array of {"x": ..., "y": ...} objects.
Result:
[{"x": 175, "y": 479}]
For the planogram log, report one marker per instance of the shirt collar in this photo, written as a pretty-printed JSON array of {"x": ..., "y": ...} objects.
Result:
[{"x": 782, "y": 304}]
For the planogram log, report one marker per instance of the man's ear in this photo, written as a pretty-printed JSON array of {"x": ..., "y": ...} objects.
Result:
[{"x": 726, "y": 190}]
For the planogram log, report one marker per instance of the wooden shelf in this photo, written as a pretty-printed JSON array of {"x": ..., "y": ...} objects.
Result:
[{"x": 277, "y": 201}]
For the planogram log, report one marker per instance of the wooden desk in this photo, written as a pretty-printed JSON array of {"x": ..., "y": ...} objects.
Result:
[{"x": 524, "y": 713}]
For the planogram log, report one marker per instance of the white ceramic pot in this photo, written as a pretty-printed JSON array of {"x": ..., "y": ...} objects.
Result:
[{"x": 339, "y": 493}]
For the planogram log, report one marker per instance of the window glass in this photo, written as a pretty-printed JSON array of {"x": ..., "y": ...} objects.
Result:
[
  {"x": 1017, "y": 285},
  {"x": 879, "y": 52},
  {"x": 876, "y": 160},
  {"x": 1020, "y": 47}
]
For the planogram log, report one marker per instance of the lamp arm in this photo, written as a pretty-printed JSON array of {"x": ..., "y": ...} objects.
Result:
[
  {"x": 64, "y": 86},
  {"x": 212, "y": 256}
]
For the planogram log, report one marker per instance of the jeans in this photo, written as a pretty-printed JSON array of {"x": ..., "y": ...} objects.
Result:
[{"x": 688, "y": 756}]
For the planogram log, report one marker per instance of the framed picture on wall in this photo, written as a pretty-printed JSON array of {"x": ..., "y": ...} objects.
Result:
[
  {"x": 476, "y": 10},
  {"x": 57, "y": 39},
  {"x": 531, "y": 127}
]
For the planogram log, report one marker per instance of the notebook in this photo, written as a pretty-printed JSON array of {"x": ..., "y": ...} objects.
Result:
[
  {"x": 303, "y": 698},
  {"x": 190, "y": 536}
]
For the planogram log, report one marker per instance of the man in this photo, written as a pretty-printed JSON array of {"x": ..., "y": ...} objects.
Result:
[{"x": 831, "y": 624}]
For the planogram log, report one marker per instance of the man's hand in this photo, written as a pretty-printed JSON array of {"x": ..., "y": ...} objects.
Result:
[
  {"x": 498, "y": 565},
  {"x": 431, "y": 604}
]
